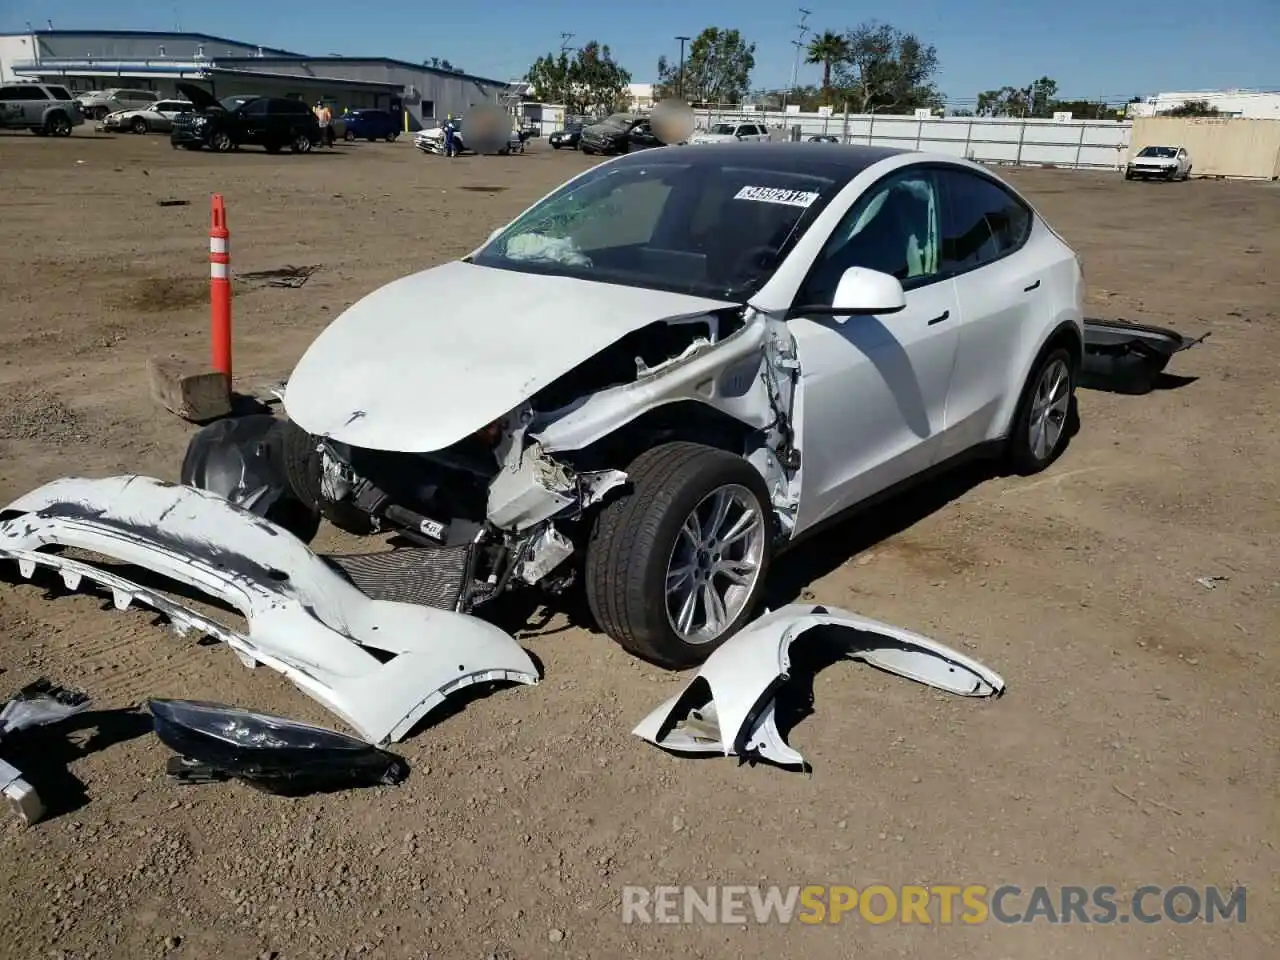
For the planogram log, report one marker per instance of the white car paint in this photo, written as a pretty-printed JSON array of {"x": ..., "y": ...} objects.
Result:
[
  {"x": 726, "y": 132},
  {"x": 879, "y": 399},
  {"x": 728, "y": 707},
  {"x": 305, "y": 619},
  {"x": 158, "y": 116},
  {"x": 398, "y": 371},
  {"x": 1175, "y": 167}
]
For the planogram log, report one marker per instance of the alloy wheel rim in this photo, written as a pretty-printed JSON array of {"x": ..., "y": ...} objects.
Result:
[
  {"x": 715, "y": 563},
  {"x": 1049, "y": 408}
]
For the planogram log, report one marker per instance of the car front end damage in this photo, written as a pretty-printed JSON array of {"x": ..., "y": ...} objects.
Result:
[{"x": 512, "y": 504}]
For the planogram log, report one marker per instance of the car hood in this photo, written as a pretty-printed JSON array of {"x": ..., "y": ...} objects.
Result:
[
  {"x": 200, "y": 98},
  {"x": 433, "y": 357}
]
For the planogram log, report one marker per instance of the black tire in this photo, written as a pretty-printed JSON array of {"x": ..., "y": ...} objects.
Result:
[
  {"x": 139, "y": 125},
  {"x": 301, "y": 464},
  {"x": 57, "y": 125},
  {"x": 555, "y": 146},
  {"x": 301, "y": 143},
  {"x": 632, "y": 539},
  {"x": 1021, "y": 456},
  {"x": 348, "y": 136},
  {"x": 221, "y": 142}
]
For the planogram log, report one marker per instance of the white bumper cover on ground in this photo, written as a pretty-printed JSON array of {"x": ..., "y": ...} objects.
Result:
[
  {"x": 379, "y": 665},
  {"x": 728, "y": 707}
]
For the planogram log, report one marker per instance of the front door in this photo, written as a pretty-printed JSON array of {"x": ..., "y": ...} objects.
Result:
[{"x": 872, "y": 394}]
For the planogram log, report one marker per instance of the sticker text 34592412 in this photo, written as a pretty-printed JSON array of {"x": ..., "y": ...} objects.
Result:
[{"x": 792, "y": 198}]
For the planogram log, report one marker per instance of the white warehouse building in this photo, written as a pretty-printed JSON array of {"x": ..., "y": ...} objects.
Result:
[
  {"x": 1247, "y": 104},
  {"x": 137, "y": 59}
]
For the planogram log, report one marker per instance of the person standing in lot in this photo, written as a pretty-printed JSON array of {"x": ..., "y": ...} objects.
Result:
[
  {"x": 324, "y": 116},
  {"x": 449, "y": 145}
]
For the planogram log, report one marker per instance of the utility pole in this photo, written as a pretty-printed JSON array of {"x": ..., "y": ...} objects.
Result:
[
  {"x": 798, "y": 43},
  {"x": 680, "y": 81},
  {"x": 564, "y": 41}
]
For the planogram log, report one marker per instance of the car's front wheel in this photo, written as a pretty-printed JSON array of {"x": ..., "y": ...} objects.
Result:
[
  {"x": 221, "y": 142},
  {"x": 302, "y": 143},
  {"x": 1040, "y": 427},
  {"x": 677, "y": 565}
]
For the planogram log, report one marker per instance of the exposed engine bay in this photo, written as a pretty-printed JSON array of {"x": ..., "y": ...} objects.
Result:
[{"x": 510, "y": 503}]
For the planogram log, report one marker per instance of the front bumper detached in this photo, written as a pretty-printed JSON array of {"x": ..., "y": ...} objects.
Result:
[{"x": 380, "y": 665}]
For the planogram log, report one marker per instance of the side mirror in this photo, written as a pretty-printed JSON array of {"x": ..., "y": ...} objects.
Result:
[{"x": 860, "y": 292}]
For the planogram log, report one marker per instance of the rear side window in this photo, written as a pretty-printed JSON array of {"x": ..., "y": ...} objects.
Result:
[
  {"x": 289, "y": 106},
  {"x": 983, "y": 221},
  {"x": 60, "y": 93}
]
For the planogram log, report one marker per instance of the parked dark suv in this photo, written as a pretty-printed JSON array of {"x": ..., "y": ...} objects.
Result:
[{"x": 270, "y": 122}]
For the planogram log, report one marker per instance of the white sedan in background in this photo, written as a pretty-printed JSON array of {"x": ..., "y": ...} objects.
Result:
[
  {"x": 1167, "y": 163},
  {"x": 155, "y": 118},
  {"x": 671, "y": 368}
]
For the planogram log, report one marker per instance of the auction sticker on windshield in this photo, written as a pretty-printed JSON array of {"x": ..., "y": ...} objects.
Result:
[{"x": 792, "y": 198}]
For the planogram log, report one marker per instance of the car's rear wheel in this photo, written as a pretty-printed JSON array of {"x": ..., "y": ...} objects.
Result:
[
  {"x": 676, "y": 566},
  {"x": 139, "y": 125},
  {"x": 58, "y": 125},
  {"x": 348, "y": 136},
  {"x": 1040, "y": 427}
]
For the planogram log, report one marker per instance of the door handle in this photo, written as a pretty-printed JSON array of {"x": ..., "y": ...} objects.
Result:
[
  {"x": 1032, "y": 287},
  {"x": 940, "y": 318}
]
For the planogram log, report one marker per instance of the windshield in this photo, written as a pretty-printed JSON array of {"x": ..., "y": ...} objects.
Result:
[
  {"x": 698, "y": 228},
  {"x": 727, "y": 128},
  {"x": 232, "y": 103},
  {"x": 1157, "y": 152}
]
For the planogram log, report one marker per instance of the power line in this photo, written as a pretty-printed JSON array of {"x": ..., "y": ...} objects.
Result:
[{"x": 564, "y": 41}]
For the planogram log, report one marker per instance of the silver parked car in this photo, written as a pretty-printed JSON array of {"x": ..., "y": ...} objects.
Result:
[
  {"x": 96, "y": 104},
  {"x": 156, "y": 118},
  {"x": 46, "y": 109}
]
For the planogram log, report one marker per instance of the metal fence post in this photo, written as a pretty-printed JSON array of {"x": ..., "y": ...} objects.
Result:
[{"x": 1080, "y": 143}]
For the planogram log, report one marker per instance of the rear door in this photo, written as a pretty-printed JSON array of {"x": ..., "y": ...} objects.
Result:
[
  {"x": 1003, "y": 288},
  {"x": 34, "y": 102},
  {"x": 255, "y": 121}
]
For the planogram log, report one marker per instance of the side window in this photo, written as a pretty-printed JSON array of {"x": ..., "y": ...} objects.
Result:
[
  {"x": 60, "y": 93},
  {"x": 255, "y": 108},
  {"x": 983, "y": 222},
  {"x": 31, "y": 93},
  {"x": 9, "y": 93},
  {"x": 894, "y": 228}
]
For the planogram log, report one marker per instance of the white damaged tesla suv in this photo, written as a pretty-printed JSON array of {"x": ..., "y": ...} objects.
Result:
[{"x": 666, "y": 371}]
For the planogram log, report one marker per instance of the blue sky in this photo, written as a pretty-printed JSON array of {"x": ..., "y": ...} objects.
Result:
[{"x": 1108, "y": 48}]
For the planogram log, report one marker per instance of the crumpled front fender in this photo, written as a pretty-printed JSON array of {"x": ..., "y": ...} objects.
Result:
[
  {"x": 728, "y": 707},
  {"x": 379, "y": 665}
]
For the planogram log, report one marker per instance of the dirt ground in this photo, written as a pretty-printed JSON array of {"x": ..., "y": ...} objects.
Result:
[{"x": 1137, "y": 743}]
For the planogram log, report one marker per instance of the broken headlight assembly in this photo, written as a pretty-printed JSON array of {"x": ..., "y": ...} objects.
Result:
[{"x": 218, "y": 742}]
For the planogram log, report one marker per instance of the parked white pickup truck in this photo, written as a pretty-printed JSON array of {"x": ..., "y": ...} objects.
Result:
[{"x": 730, "y": 131}]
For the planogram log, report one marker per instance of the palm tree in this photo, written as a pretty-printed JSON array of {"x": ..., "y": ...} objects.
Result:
[{"x": 827, "y": 49}]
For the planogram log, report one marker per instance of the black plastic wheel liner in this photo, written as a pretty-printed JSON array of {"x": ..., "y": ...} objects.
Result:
[
  {"x": 1126, "y": 357},
  {"x": 241, "y": 460}
]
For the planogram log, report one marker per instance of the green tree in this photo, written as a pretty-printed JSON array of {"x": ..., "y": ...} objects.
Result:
[
  {"x": 827, "y": 49},
  {"x": 436, "y": 63},
  {"x": 1192, "y": 108},
  {"x": 886, "y": 67},
  {"x": 589, "y": 82},
  {"x": 1036, "y": 99},
  {"x": 717, "y": 70}
]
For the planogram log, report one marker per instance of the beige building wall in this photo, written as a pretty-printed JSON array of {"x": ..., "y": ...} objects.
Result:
[{"x": 1219, "y": 148}]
